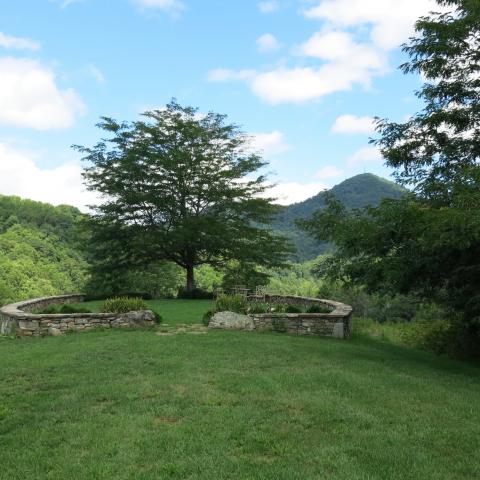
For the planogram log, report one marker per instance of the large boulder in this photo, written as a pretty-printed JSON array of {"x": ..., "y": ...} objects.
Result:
[{"x": 231, "y": 321}]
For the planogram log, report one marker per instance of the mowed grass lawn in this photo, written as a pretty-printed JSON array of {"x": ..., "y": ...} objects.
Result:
[
  {"x": 233, "y": 405},
  {"x": 172, "y": 311}
]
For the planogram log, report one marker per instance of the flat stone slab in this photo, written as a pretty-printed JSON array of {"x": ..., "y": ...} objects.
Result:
[{"x": 231, "y": 321}]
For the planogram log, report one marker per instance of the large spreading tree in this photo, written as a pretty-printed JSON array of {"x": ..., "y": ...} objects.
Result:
[
  {"x": 428, "y": 242},
  {"x": 182, "y": 187}
]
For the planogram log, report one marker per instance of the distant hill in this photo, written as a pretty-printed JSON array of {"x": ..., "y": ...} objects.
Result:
[
  {"x": 356, "y": 192},
  {"x": 39, "y": 249}
]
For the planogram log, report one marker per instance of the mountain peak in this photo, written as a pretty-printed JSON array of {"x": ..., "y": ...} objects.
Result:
[{"x": 354, "y": 192}]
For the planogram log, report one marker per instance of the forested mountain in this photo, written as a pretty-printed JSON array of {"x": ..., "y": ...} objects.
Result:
[
  {"x": 356, "y": 192},
  {"x": 41, "y": 254},
  {"x": 39, "y": 249}
]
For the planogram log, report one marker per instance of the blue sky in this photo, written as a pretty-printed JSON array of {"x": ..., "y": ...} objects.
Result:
[{"x": 304, "y": 77}]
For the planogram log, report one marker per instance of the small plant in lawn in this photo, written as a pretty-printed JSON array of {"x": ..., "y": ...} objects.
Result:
[
  {"x": 207, "y": 316},
  {"x": 123, "y": 305}
]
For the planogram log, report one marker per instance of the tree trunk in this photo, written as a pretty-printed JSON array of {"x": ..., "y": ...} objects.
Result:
[{"x": 190, "y": 278}]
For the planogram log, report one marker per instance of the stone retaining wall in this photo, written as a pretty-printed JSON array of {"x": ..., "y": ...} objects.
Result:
[
  {"x": 336, "y": 323},
  {"x": 15, "y": 318}
]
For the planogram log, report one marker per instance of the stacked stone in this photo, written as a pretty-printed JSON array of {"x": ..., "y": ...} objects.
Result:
[
  {"x": 337, "y": 323},
  {"x": 15, "y": 319}
]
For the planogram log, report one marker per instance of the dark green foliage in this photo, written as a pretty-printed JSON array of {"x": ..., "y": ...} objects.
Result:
[
  {"x": 246, "y": 274},
  {"x": 292, "y": 309},
  {"x": 158, "y": 318},
  {"x": 61, "y": 221},
  {"x": 195, "y": 294},
  {"x": 356, "y": 192},
  {"x": 427, "y": 243},
  {"x": 258, "y": 307},
  {"x": 123, "y": 305},
  {"x": 142, "y": 295},
  {"x": 231, "y": 303},
  {"x": 72, "y": 309},
  {"x": 207, "y": 317},
  {"x": 318, "y": 309},
  {"x": 180, "y": 188},
  {"x": 157, "y": 280},
  {"x": 56, "y": 309}
]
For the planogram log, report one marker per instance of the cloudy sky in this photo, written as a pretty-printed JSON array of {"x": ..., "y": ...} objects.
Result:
[{"x": 305, "y": 77}]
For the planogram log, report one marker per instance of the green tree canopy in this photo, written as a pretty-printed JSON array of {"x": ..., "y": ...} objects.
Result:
[{"x": 182, "y": 187}]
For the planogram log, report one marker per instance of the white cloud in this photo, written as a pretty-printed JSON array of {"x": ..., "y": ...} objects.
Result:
[
  {"x": 294, "y": 192},
  {"x": 19, "y": 43},
  {"x": 226, "y": 75},
  {"x": 267, "y": 43},
  {"x": 272, "y": 143},
  {"x": 329, "y": 172},
  {"x": 67, "y": 3},
  {"x": 353, "y": 124},
  {"x": 30, "y": 97},
  {"x": 345, "y": 64},
  {"x": 96, "y": 73},
  {"x": 269, "y": 6},
  {"x": 172, "y": 6},
  {"x": 349, "y": 50},
  {"x": 365, "y": 155},
  {"x": 20, "y": 175},
  {"x": 391, "y": 21}
]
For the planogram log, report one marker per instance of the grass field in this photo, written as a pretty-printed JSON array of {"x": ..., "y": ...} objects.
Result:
[{"x": 233, "y": 405}]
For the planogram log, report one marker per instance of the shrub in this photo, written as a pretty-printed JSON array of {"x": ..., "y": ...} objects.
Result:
[
  {"x": 142, "y": 295},
  {"x": 195, "y": 294},
  {"x": 52, "y": 309},
  {"x": 158, "y": 317},
  {"x": 72, "y": 309},
  {"x": 259, "y": 307},
  {"x": 56, "y": 309},
  {"x": 316, "y": 308},
  {"x": 207, "y": 317},
  {"x": 231, "y": 303},
  {"x": 123, "y": 305},
  {"x": 292, "y": 309}
]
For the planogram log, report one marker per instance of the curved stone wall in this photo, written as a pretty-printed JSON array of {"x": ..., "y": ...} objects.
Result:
[
  {"x": 17, "y": 319},
  {"x": 337, "y": 323}
]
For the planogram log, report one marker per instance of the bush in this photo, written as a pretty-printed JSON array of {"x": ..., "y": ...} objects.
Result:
[
  {"x": 158, "y": 317},
  {"x": 67, "y": 309},
  {"x": 292, "y": 309},
  {"x": 195, "y": 294},
  {"x": 259, "y": 307},
  {"x": 142, "y": 295},
  {"x": 207, "y": 317},
  {"x": 231, "y": 303},
  {"x": 123, "y": 305},
  {"x": 316, "y": 308},
  {"x": 71, "y": 309}
]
